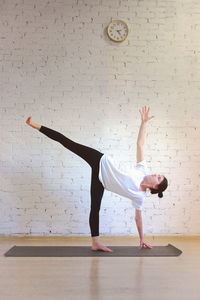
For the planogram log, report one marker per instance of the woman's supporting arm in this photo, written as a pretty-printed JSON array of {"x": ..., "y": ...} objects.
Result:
[{"x": 138, "y": 220}]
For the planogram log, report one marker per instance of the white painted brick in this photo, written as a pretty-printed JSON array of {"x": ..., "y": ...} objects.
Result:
[{"x": 56, "y": 64}]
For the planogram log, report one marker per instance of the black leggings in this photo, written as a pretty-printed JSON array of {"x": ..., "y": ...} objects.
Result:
[{"x": 92, "y": 157}]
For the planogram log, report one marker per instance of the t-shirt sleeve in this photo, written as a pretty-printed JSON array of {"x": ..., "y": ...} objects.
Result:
[
  {"x": 142, "y": 165},
  {"x": 137, "y": 202},
  {"x": 136, "y": 205}
]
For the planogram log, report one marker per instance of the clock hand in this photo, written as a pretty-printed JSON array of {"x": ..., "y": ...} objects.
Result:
[{"x": 119, "y": 32}]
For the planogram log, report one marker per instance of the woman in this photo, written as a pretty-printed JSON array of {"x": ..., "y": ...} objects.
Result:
[{"x": 106, "y": 176}]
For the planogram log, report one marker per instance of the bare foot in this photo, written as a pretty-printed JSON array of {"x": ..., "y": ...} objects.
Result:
[
  {"x": 30, "y": 122},
  {"x": 101, "y": 247}
]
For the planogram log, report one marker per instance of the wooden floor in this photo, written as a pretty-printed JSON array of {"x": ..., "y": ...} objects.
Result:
[{"x": 100, "y": 278}]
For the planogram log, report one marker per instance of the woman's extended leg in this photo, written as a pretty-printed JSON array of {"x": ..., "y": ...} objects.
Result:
[{"x": 90, "y": 155}]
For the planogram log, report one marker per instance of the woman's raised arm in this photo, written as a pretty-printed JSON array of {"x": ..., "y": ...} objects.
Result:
[{"x": 144, "y": 112}]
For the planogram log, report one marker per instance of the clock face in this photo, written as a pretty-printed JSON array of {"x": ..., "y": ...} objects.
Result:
[{"x": 117, "y": 30}]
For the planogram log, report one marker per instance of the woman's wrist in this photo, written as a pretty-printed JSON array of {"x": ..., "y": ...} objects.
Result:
[
  {"x": 144, "y": 122},
  {"x": 141, "y": 238}
]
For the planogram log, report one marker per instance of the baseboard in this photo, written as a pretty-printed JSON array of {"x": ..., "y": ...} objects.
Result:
[{"x": 110, "y": 237}]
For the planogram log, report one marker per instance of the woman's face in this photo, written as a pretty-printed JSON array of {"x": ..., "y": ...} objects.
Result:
[{"x": 154, "y": 180}]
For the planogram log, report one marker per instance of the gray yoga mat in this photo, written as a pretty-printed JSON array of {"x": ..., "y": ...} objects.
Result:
[{"x": 85, "y": 251}]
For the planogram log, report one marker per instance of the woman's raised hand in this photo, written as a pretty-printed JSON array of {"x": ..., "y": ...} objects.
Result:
[{"x": 144, "y": 112}]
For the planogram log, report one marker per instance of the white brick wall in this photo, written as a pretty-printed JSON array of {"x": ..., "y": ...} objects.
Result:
[{"x": 57, "y": 65}]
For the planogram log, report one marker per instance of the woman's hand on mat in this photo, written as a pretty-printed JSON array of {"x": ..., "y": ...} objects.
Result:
[
  {"x": 145, "y": 245},
  {"x": 144, "y": 112}
]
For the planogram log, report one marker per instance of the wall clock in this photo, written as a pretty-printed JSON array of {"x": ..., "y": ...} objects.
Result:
[{"x": 117, "y": 30}]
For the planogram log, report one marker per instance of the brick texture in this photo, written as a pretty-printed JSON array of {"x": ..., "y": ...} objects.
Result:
[{"x": 57, "y": 64}]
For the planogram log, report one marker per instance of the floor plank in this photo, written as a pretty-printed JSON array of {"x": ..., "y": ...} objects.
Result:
[{"x": 102, "y": 278}]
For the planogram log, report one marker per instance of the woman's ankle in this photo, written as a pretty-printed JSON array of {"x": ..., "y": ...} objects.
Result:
[
  {"x": 38, "y": 127},
  {"x": 95, "y": 239},
  {"x": 35, "y": 125}
]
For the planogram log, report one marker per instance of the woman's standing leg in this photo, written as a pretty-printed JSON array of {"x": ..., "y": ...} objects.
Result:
[{"x": 96, "y": 192}]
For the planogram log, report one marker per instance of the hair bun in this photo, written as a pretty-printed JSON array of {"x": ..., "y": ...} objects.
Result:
[{"x": 160, "y": 194}]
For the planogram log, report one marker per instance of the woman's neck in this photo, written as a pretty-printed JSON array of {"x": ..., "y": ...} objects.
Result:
[{"x": 143, "y": 186}]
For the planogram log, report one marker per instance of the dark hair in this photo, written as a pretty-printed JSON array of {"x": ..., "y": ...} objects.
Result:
[{"x": 161, "y": 188}]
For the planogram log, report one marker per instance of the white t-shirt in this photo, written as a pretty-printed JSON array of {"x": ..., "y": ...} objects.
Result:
[{"x": 126, "y": 185}]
